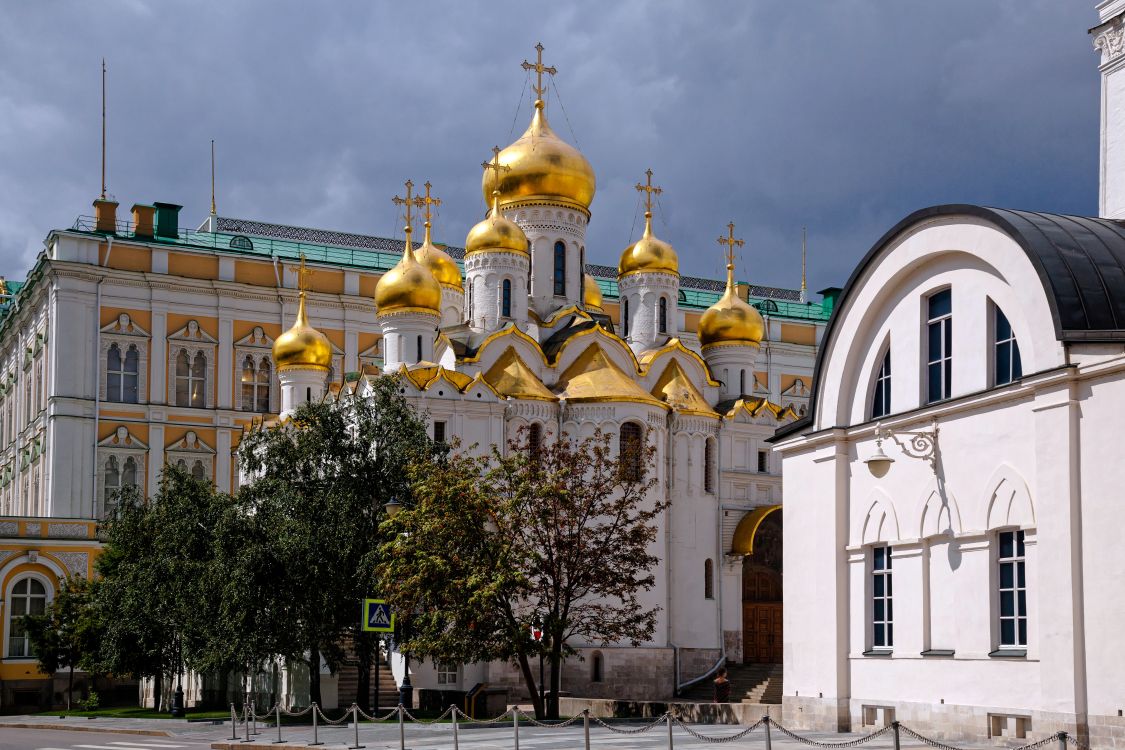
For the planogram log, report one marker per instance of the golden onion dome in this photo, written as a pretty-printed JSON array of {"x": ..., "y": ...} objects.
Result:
[
  {"x": 648, "y": 255},
  {"x": 302, "y": 345},
  {"x": 496, "y": 233},
  {"x": 408, "y": 286},
  {"x": 541, "y": 167},
  {"x": 591, "y": 293},
  {"x": 443, "y": 267},
  {"x": 731, "y": 320}
]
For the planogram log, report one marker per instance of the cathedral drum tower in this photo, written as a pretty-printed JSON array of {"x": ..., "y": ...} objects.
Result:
[{"x": 302, "y": 355}]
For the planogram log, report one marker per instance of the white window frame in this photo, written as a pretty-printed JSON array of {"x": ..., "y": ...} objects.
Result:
[
  {"x": 448, "y": 674},
  {"x": 125, "y": 333},
  {"x": 883, "y": 375},
  {"x": 121, "y": 445},
  {"x": 885, "y": 576},
  {"x": 191, "y": 449},
  {"x": 193, "y": 340},
  {"x": 258, "y": 346},
  {"x": 997, "y": 342},
  {"x": 1018, "y": 562},
  {"x": 9, "y": 614},
  {"x": 945, "y": 358}
]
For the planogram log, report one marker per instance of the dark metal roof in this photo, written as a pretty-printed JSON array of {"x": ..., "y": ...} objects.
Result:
[
  {"x": 1080, "y": 261},
  {"x": 320, "y": 236}
]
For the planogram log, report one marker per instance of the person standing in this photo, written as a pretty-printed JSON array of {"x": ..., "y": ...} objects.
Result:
[{"x": 722, "y": 686}]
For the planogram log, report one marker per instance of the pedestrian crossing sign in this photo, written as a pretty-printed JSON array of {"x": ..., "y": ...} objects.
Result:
[{"x": 377, "y": 616}]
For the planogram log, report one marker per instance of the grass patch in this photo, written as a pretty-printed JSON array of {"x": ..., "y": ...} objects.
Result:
[{"x": 136, "y": 712}]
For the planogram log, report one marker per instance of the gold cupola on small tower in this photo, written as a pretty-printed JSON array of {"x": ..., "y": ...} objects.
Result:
[
  {"x": 441, "y": 265},
  {"x": 731, "y": 320},
  {"x": 409, "y": 286},
  {"x": 648, "y": 254},
  {"x": 302, "y": 345},
  {"x": 496, "y": 233},
  {"x": 543, "y": 168}
]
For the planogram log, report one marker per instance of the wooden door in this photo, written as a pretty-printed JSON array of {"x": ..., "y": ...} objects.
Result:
[{"x": 761, "y": 632}]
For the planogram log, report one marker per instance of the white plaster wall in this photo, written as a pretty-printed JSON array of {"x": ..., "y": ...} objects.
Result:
[
  {"x": 544, "y": 226},
  {"x": 1112, "y": 182},
  {"x": 486, "y": 273}
]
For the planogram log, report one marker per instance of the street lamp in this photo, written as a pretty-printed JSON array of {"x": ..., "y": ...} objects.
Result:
[
  {"x": 393, "y": 507},
  {"x": 921, "y": 444}
]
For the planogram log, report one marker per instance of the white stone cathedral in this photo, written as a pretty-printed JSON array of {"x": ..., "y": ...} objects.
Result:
[{"x": 523, "y": 340}]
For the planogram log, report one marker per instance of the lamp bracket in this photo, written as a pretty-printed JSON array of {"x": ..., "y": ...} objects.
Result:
[{"x": 913, "y": 443}]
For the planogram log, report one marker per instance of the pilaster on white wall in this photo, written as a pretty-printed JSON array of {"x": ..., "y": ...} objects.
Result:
[{"x": 1109, "y": 40}]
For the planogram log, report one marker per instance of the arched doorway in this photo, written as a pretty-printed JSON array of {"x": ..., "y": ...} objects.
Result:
[{"x": 758, "y": 538}]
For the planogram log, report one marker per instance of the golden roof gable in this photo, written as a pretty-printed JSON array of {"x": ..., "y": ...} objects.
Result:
[
  {"x": 510, "y": 376},
  {"x": 675, "y": 388},
  {"x": 594, "y": 377}
]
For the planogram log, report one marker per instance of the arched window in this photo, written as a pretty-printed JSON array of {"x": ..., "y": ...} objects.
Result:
[
  {"x": 631, "y": 456},
  {"x": 625, "y": 317},
  {"x": 29, "y": 597},
  {"x": 191, "y": 374},
  {"x": 469, "y": 305},
  {"x": 709, "y": 466},
  {"x": 881, "y": 399},
  {"x": 662, "y": 315},
  {"x": 939, "y": 334},
  {"x": 111, "y": 483},
  {"x": 560, "y": 269},
  {"x": 708, "y": 579},
  {"x": 129, "y": 472},
  {"x": 419, "y": 358},
  {"x": 597, "y": 667},
  {"x": 1007, "y": 365},
  {"x": 535, "y": 441},
  {"x": 121, "y": 374},
  {"x": 506, "y": 299},
  {"x": 741, "y": 382},
  {"x": 255, "y": 385},
  {"x": 197, "y": 471}
]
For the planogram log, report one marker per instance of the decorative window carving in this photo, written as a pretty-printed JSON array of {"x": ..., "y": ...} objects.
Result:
[
  {"x": 560, "y": 269},
  {"x": 121, "y": 463},
  {"x": 191, "y": 350},
  {"x": 662, "y": 315},
  {"x": 630, "y": 448},
  {"x": 258, "y": 388},
  {"x": 124, "y": 357},
  {"x": 709, "y": 466},
  {"x": 506, "y": 299},
  {"x": 192, "y": 455}
]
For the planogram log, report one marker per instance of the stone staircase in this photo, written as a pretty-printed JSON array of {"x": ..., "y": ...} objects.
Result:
[
  {"x": 750, "y": 683},
  {"x": 383, "y": 678}
]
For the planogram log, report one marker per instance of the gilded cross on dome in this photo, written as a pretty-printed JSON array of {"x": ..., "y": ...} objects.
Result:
[
  {"x": 731, "y": 243},
  {"x": 539, "y": 69},
  {"x": 649, "y": 190},
  {"x": 303, "y": 274},
  {"x": 409, "y": 202},
  {"x": 498, "y": 168},
  {"x": 426, "y": 201}
]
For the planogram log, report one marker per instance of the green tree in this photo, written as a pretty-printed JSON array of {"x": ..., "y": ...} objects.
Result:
[
  {"x": 321, "y": 481},
  {"x": 556, "y": 534},
  {"x": 66, "y": 635}
]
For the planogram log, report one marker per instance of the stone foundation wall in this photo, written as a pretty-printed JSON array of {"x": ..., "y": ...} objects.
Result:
[
  {"x": 699, "y": 713},
  {"x": 696, "y": 662},
  {"x": 819, "y": 714},
  {"x": 630, "y": 674}
]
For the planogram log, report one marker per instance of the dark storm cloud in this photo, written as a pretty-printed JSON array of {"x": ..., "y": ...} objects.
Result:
[{"x": 842, "y": 116}]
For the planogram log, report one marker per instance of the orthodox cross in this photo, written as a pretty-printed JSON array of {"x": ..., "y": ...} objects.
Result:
[
  {"x": 409, "y": 201},
  {"x": 539, "y": 69},
  {"x": 498, "y": 168},
  {"x": 303, "y": 274},
  {"x": 649, "y": 190},
  {"x": 731, "y": 243},
  {"x": 425, "y": 202}
]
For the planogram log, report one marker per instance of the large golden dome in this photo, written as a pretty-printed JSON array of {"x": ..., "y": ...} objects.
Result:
[
  {"x": 648, "y": 255},
  {"x": 591, "y": 293},
  {"x": 541, "y": 167},
  {"x": 496, "y": 233},
  {"x": 443, "y": 267},
  {"x": 408, "y": 286},
  {"x": 731, "y": 320},
  {"x": 302, "y": 345}
]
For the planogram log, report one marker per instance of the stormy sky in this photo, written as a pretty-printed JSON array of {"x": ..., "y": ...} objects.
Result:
[{"x": 842, "y": 115}]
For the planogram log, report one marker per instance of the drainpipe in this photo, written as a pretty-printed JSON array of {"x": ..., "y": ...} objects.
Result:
[
  {"x": 98, "y": 377},
  {"x": 719, "y": 555},
  {"x": 668, "y": 563}
]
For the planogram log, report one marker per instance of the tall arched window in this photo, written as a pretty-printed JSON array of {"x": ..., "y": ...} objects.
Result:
[
  {"x": 469, "y": 304},
  {"x": 741, "y": 382},
  {"x": 535, "y": 441},
  {"x": 560, "y": 269},
  {"x": 597, "y": 667},
  {"x": 198, "y": 472},
  {"x": 111, "y": 483},
  {"x": 29, "y": 597},
  {"x": 625, "y": 317},
  {"x": 506, "y": 299},
  {"x": 419, "y": 358},
  {"x": 630, "y": 451},
  {"x": 191, "y": 375},
  {"x": 708, "y": 579},
  {"x": 121, "y": 374},
  {"x": 662, "y": 315},
  {"x": 1007, "y": 365},
  {"x": 881, "y": 399},
  {"x": 709, "y": 466}
]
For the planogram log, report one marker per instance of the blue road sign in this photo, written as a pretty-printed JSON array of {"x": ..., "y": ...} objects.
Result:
[{"x": 377, "y": 616}]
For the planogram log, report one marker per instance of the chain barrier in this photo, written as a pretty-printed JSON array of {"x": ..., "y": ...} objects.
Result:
[
  {"x": 532, "y": 721},
  {"x": 416, "y": 720},
  {"x": 715, "y": 740},
  {"x": 394, "y": 712},
  {"x": 1054, "y": 738},
  {"x": 1070, "y": 738},
  {"x": 334, "y": 722},
  {"x": 504, "y": 717},
  {"x": 849, "y": 743},
  {"x": 618, "y": 730},
  {"x": 295, "y": 714}
]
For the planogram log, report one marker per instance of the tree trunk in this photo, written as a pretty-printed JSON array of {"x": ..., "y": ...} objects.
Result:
[
  {"x": 70, "y": 689},
  {"x": 314, "y": 675},
  {"x": 556, "y": 683},
  {"x": 157, "y": 686},
  {"x": 532, "y": 687},
  {"x": 363, "y": 664}
]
